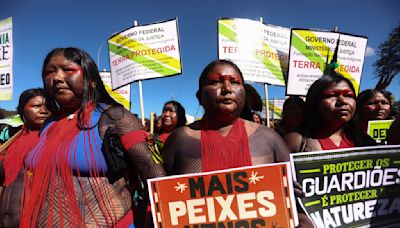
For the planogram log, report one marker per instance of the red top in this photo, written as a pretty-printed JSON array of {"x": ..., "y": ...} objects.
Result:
[
  {"x": 14, "y": 157},
  {"x": 327, "y": 143}
]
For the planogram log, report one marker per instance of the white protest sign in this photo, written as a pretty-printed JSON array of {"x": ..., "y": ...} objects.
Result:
[
  {"x": 311, "y": 50},
  {"x": 6, "y": 59},
  {"x": 144, "y": 52},
  {"x": 260, "y": 51}
]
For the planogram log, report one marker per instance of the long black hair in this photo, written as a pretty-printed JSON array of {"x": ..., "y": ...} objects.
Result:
[
  {"x": 91, "y": 74},
  {"x": 313, "y": 116}
]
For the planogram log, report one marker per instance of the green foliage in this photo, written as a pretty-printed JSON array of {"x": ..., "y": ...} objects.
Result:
[{"x": 388, "y": 64}]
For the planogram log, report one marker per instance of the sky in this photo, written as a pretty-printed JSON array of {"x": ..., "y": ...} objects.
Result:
[{"x": 41, "y": 25}]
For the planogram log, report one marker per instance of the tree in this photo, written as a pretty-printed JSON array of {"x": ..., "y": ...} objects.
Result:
[{"x": 388, "y": 64}]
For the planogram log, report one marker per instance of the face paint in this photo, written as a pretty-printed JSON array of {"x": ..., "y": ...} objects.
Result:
[
  {"x": 223, "y": 91},
  {"x": 338, "y": 92},
  {"x": 337, "y": 105},
  {"x": 64, "y": 81},
  {"x": 234, "y": 78}
]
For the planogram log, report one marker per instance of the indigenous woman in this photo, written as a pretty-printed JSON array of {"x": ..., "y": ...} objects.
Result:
[
  {"x": 373, "y": 105},
  {"x": 33, "y": 112},
  {"x": 221, "y": 139},
  {"x": 330, "y": 117},
  {"x": 173, "y": 116},
  {"x": 77, "y": 173}
]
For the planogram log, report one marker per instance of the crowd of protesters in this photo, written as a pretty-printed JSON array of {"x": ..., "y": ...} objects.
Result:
[{"x": 86, "y": 163}]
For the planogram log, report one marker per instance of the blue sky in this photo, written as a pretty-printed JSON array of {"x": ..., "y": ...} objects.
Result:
[{"x": 41, "y": 25}]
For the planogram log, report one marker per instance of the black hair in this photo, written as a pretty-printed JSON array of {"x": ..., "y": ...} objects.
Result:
[
  {"x": 293, "y": 100},
  {"x": 365, "y": 95},
  {"x": 25, "y": 97},
  {"x": 313, "y": 116},
  {"x": 91, "y": 74},
  {"x": 180, "y": 112},
  {"x": 210, "y": 67}
]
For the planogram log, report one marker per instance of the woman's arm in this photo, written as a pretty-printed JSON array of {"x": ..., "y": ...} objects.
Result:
[{"x": 132, "y": 135}]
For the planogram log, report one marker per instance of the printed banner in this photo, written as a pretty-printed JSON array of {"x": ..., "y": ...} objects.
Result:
[
  {"x": 356, "y": 187},
  {"x": 257, "y": 196},
  {"x": 6, "y": 59},
  {"x": 261, "y": 51},
  {"x": 377, "y": 129},
  {"x": 121, "y": 95},
  {"x": 13, "y": 121},
  {"x": 311, "y": 50},
  {"x": 144, "y": 52},
  {"x": 275, "y": 108}
]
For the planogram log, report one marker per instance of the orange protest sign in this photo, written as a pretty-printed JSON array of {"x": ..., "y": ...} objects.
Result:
[{"x": 256, "y": 196}]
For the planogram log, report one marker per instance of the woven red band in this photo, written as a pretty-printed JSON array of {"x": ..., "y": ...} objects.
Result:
[{"x": 132, "y": 138}]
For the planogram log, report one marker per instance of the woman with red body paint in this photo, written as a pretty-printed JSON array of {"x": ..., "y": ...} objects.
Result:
[
  {"x": 330, "y": 118},
  {"x": 77, "y": 174},
  {"x": 33, "y": 111}
]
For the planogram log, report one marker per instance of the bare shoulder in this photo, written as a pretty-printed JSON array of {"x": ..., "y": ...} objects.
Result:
[
  {"x": 294, "y": 141},
  {"x": 180, "y": 134},
  {"x": 259, "y": 130},
  {"x": 298, "y": 143},
  {"x": 266, "y": 143},
  {"x": 182, "y": 150}
]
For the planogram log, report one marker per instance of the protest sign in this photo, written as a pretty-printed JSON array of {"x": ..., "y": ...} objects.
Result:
[
  {"x": 257, "y": 196},
  {"x": 261, "y": 51},
  {"x": 310, "y": 51},
  {"x": 275, "y": 108},
  {"x": 377, "y": 129},
  {"x": 6, "y": 59},
  {"x": 121, "y": 95},
  {"x": 144, "y": 52},
  {"x": 13, "y": 121},
  {"x": 351, "y": 187}
]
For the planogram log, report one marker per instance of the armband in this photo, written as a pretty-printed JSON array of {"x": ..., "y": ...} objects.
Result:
[{"x": 132, "y": 138}]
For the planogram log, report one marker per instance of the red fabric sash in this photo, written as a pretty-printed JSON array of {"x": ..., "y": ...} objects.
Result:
[
  {"x": 231, "y": 151},
  {"x": 327, "y": 144},
  {"x": 14, "y": 158},
  {"x": 49, "y": 168},
  {"x": 163, "y": 136},
  {"x": 132, "y": 138},
  {"x": 52, "y": 179}
]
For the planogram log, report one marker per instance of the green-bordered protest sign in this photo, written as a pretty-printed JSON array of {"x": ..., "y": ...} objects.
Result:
[
  {"x": 261, "y": 51},
  {"x": 13, "y": 121},
  {"x": 121, "y": 95},
  {"x": 144, "y": 52},
  {"x": 275, "y": 108},
  {"x": 311, "y": 50},
  {"x": 355, "y": 187},
  {"x": 6, "y": 59},
  {"x": 377, "y": 129}
]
